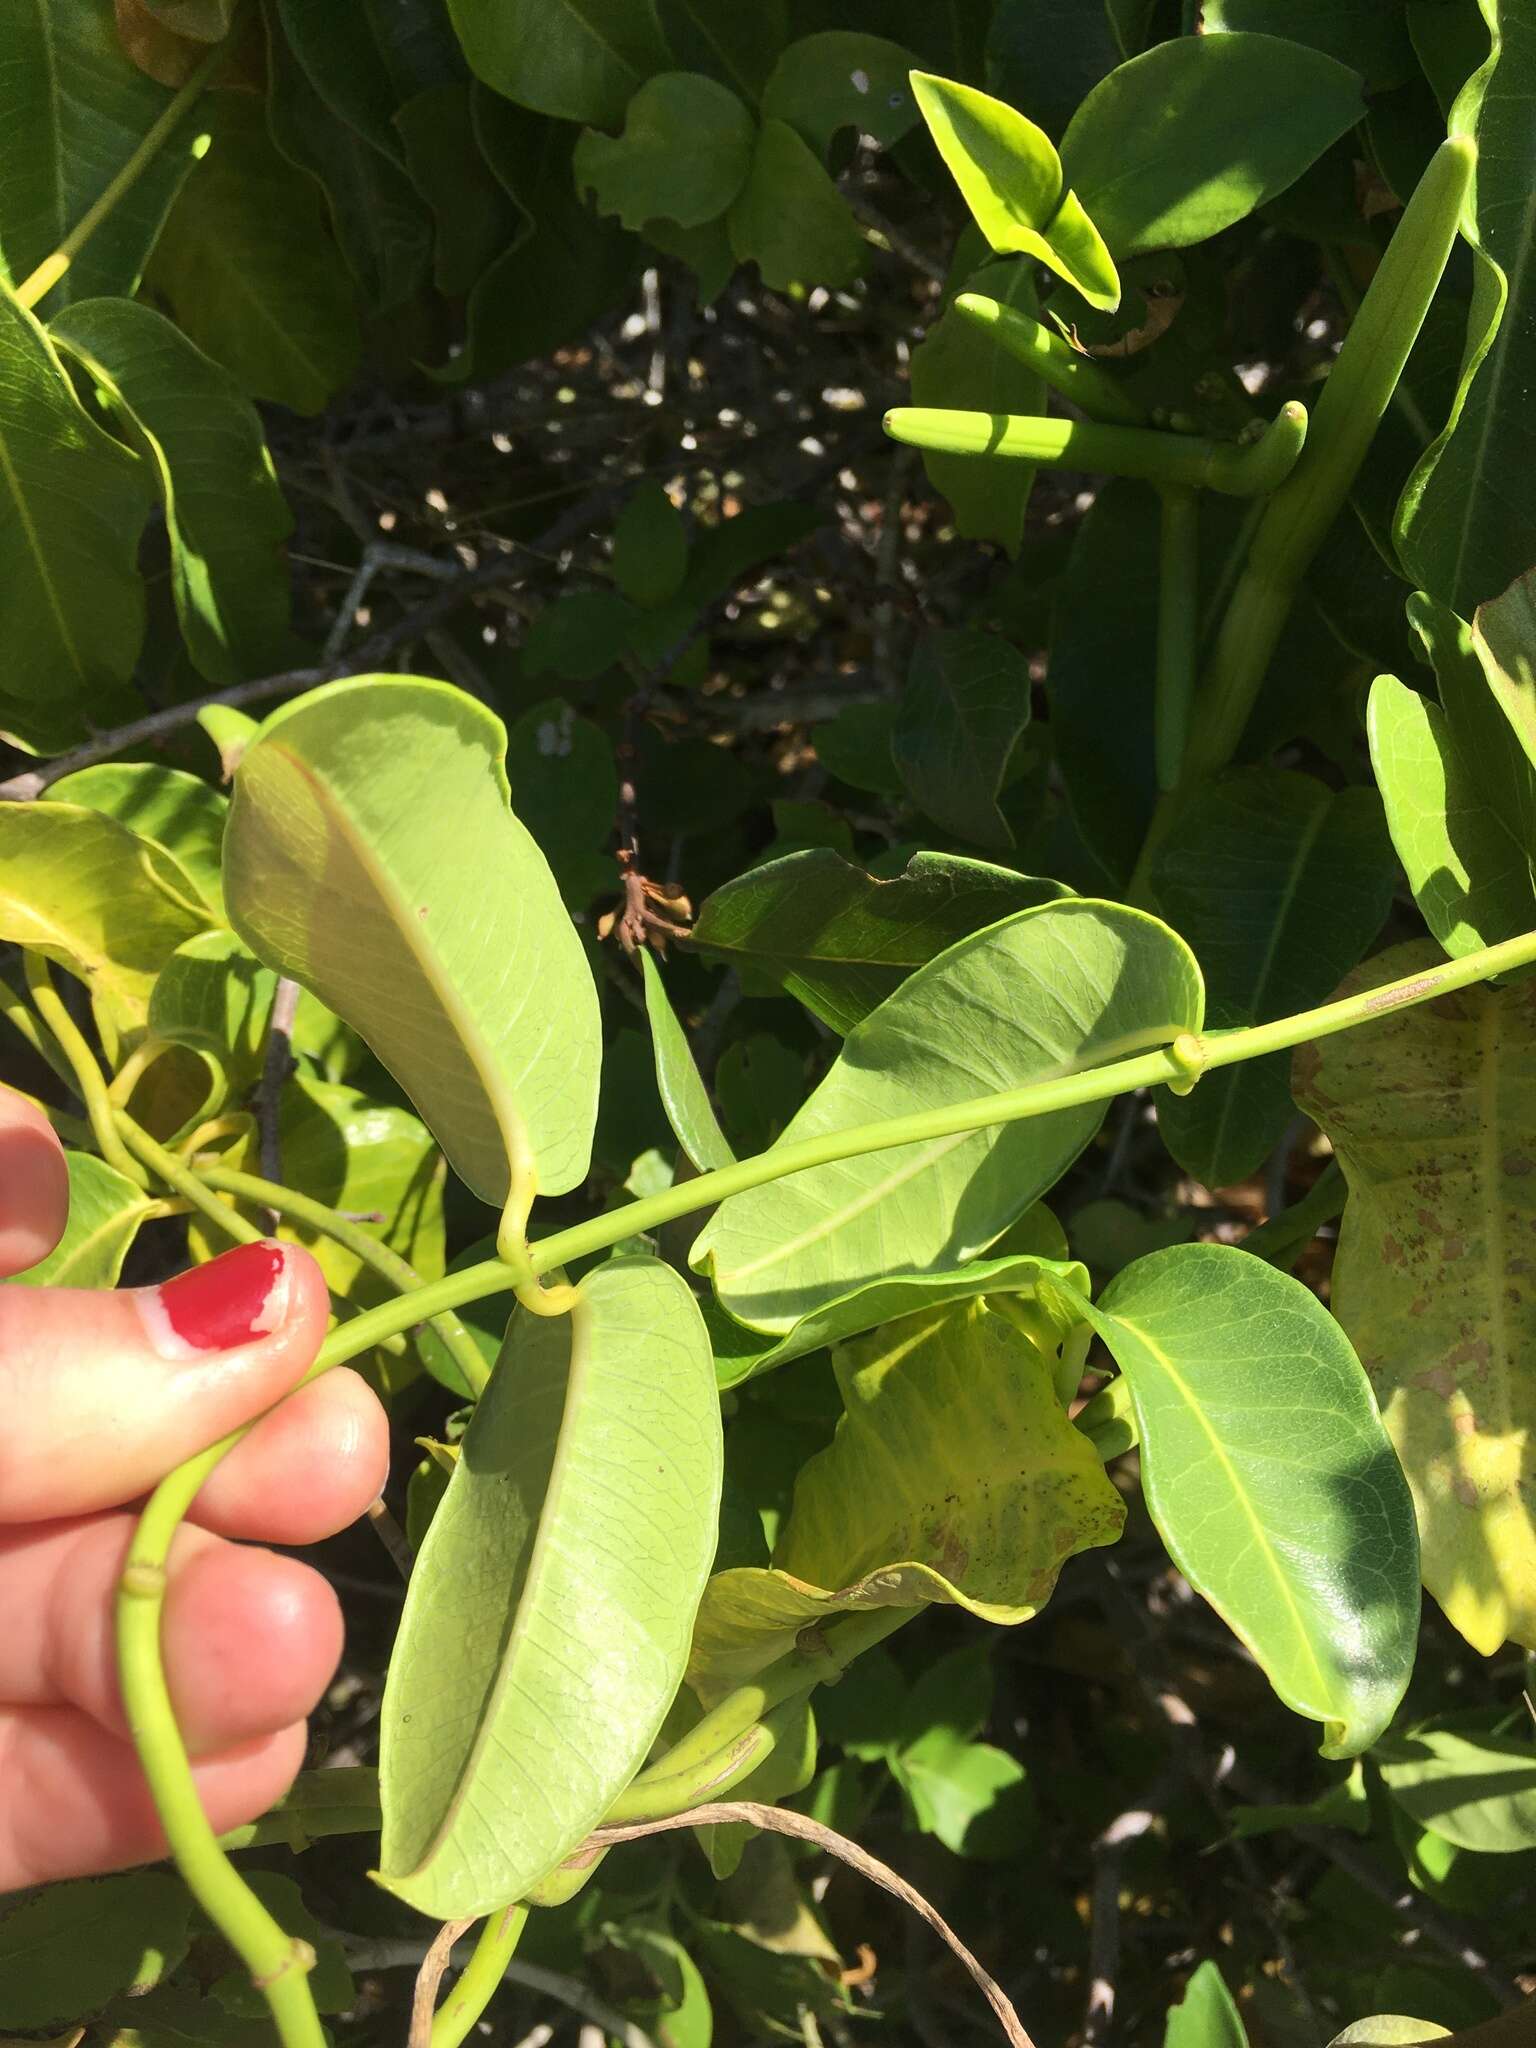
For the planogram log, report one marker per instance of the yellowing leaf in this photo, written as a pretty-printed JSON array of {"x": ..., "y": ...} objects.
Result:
[{"x": 1431, "y": 1112}]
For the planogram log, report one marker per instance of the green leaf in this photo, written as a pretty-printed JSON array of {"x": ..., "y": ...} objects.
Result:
[
  {"x": 954, "y": 1477},
  {"x": 1013, "y": 181},
  {"x": 565, "y": 789},
  {"x": 330, "y": 1981},
  {"x": 340, "y": 52},
  {"x": 790, "y": 219},
  {"x": 1346, "y": 1804},
  {"x": 963, "y": 706},
  {"x": 1043, "y": 56},
  {"x": 1195, "y": 133},
  {"x": 842, "y": 79},
  {"x": 73, "y": 109},
  {"x": 248, "y": 271},
  {"x": 976, "y": 1799},
  {"x": 230, "y": 731},
  {"x": 225, "y": 515},
  {"x": 105, "y": 1211},
  {"x": 72, "y": 503},
  {"x": 958, "y": 364},
  {"x": 1206, "y": 2016},
  {"x": 737, "y": 45},
  {"x": 1279, "y": 885},
  {"x": 1430, "y": 1113},
  {"x": 85, "y": 892},
  {"x": 684, "y": 154},
  {"x": 73, "y": 1946},
  {"x": 216, "y": 997},
  {"x": 372, "y": 856},
  {"x": 1388, "y": 2030},
  {"x": 1047, "y": 992},
  {"x": 179, "y": 813},
  {"x": 580, "y": 59},
  {"x": 1270, "y": 1478},
  {"x": 683, "y": 1093},
  {"x": 840, "y": 940},
  {"x": 650, "y": 548},
  {"x": 580, "y": 635},
  {"x": 546, "y": 1624},
  {"x": 1503, "y": 638},
  {"x": 787, "y": 1769},
  {"x": 1473, "y": 887},
  {"x": 473, "y": 218},
  {"x": 1465, "y": 525},
  {"x": 174, "y": 2017},
  {"x": 1476, "y": 1791},
  {"x": 1363, "y": 34}
]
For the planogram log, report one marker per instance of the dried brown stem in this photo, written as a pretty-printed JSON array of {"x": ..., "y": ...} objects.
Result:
[{"x": 429, "y": 1977}]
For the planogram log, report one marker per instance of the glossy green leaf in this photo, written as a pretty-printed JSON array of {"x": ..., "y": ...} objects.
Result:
[
  {"x": 70, "y": 1947},
  {"x": 683, "y": 1093},
  {"x": 73, "y": 109},
  {"x": 963, "y": 706},
  {"x": 1465, "y": 524},
  {"x": 1013, "y": 181},
  {"x": 840, "y": 79},
  {"x": 105, "y": 1212},
  {"x": 225, "y": 515},
  {"x": 1478, "y": 1791},
  {"x": 650, "y": 548},
  {"x": 975, "y": 1798},
  {"x": 180, "y": 813},
  {"x": 957, "y": 364},
  {"x": 85, "y": 892},
  {"x": 1368, "y": 37},
  {"x": 1503, "y": 639},
  {"x": 448, "y": 950},
  {"x": 790, "y": 219},
  {"x": 1472, "y": 884},
  {"x": 340, "y": 51},
  {"x": 954, "y": 1477},
  {"x": 684, "y": 153},
  {"x": 547, "y": 1622},
  {"x": 247, "y": 269},
  {"x": 1194, "y": 134},
  {"x": 839, "y": 939},
  {"x": 1279, "y": 884},
  {"x": 1388, "y": 2030},
  {"x": 1206, "y": 2016},
  {"x": 580, "y": 59},
  {"x": 1430, "y": 1113},
  {"x": 1270, "y": 1477},
  {"x": 1047, "y": 992},
  {"x": 72, "y": 503},
  {"x": 216, "y": 997}
]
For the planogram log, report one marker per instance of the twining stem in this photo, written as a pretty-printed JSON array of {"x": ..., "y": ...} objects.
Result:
[
  {"x": 189, "y": 1185},
  {"x": 52, "y": 268},
  {"x": 1178, "y": 629},
  {"x": 481, "y": 1977},
  {"x": 88, "y": 1079},
  {"x": 16, "y": 1013}
]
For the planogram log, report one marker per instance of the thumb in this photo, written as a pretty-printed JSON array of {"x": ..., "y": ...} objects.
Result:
[
  {"x": 34, "y": 1185},
  {"x": 104, "y": 1391}
]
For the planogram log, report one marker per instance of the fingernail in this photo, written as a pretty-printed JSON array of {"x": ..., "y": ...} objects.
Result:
[{"x": 235, "y": 1299}]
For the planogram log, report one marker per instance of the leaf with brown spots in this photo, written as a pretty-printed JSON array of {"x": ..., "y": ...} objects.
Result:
[{"x": 1432, "y": 1112}]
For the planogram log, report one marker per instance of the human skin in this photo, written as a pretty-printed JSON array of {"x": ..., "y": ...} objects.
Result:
[{"x": 101, "y": 1394}]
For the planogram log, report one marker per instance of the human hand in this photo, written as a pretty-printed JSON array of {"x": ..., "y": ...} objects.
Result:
[{"x": 101, "y": 1394}]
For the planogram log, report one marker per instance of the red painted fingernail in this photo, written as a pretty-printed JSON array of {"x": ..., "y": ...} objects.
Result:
[{"x": 233, "y": 1300}]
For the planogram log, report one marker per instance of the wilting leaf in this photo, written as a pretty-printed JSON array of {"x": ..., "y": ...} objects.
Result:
[
  {"x": 1278, "y": 884},
  {"x": 546, "y": 1624},
  {"x": 105, "y": 1211},
  {"x": 1430, "y": 1112},
  {"x": 839, "y": 939},
  {"x": 1047, "y": 992},
  {"x": 1270, "y": 1478},
  {"x": 842, "y": 79},
  {"x": 72, "y": 503},
  {"x": 1184, "y": 140},
  {"x": 249, "y": 272},
  {"x": 179, "y": 813},
  {"x": 372, "y": 856},
  {"x": 963, "y": 706},
  {"x": 790, "y": 219},
  {"x": 683, "y": 156},
  {"x": 1206, "y": 2016},
  {"x": 683, "y": 1094},
  {"x": 225, "y": 515},
  {"x": 954, "y": 1477},
  {"x": 1012, "y": 180},
  {"x": 73, "y": 1946},
  {"x": 1478, "y": 1791}
]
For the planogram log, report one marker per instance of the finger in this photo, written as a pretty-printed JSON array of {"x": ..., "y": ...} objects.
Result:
[
  {"x": 73, "y": 1800},
  {"x": 306, "y": 1470},
  {"x": 103, "y": 1391},
  {"x": 34, "y": 1185},
  {"x": 250, "y": 1640}
]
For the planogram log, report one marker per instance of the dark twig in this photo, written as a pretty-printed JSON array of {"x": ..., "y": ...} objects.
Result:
[
  {"x": 275, "y": 1070},
  {"x": 1104, "y": 1925}
]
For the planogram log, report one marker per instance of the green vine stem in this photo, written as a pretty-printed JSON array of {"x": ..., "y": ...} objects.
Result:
[
  {"x": 22, "y": 1019},
  {"x": 481, "y": 1977},
  {"x": 47, "y": 274},
  {"x": 1357, "y": 392},
  {"x": 1076, "y": 376},
  {"x": 1178, "y": 629},
  {"x": 189, "y": 1185},
  {"x": 1241, "y": 469},
  {"x": 89, "y": 1081}
]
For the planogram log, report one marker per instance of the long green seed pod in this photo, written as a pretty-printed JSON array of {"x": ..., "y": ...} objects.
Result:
[{"x": 1076, "y": 376}]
